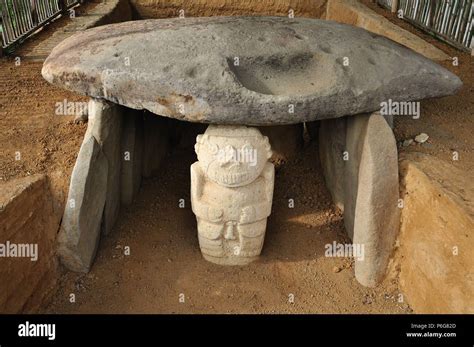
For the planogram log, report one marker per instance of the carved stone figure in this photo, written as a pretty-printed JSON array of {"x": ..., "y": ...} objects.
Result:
[{"x": 232, "y": 192}]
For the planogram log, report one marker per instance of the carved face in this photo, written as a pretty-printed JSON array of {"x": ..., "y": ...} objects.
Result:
[{"x": 232, "y": 160}]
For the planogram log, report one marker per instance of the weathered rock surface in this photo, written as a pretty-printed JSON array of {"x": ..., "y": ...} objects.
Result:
[
  {"x": 155, "y": 143},
  {"x": 332, "y": 145},
  {"x": 219, "y": 70},
  {"x": 360, "y": 165},
  {"x": 436, "y": 236},
  {"x": 105, "y": 125},
  {"x": 80, "y": 229},
  {"x": 371, "y": 213},
  {"x": 286, "y": 141},
  {"x": 312, "y": 129},
  {"x": 131, "y": 156}
]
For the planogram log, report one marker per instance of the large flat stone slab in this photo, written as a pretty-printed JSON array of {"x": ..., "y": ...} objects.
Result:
[{"x": 244, "y": 70}]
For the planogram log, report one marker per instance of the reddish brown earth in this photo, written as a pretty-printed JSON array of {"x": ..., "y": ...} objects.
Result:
[
  {"x": 165, "y": 259},
  {"x": 29, "y": 125}
]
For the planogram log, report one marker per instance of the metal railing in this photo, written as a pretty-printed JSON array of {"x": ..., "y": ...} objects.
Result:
[
  {"x": 448, "y": 20},
  {"x": 20, "y": 18}
]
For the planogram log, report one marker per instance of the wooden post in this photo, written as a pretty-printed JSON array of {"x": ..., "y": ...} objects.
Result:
[{"x": 394, "y": 6}]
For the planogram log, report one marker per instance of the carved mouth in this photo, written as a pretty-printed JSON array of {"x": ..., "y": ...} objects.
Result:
[{"x": 232, "y": 178}]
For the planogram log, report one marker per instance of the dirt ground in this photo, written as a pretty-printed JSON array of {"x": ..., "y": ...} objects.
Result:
[
  {"x": 164, "y": 259},
  {"x": 29, "y": 126}
]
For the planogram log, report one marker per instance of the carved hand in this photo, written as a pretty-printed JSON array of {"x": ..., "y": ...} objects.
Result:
[
  {"x": 247, "y": 215},
  {"x": 215, "y": 214}
]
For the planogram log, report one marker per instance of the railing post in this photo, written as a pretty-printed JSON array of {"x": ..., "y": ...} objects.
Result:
[
  {"x": 63, "y": 6},
  {"x": 394, "y": 6},
  {"x": 34, "y": 13}
]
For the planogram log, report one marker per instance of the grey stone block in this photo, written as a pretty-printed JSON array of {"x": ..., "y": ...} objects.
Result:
[
  {"x": 371, "y": 212},
  {"x": 80, "y": 229},
  {"x": 156, "y": 141},
  {"x": 365, "y": 186},
  {"x": 332, "y": 140},
  {"x": 289, "y": 70},
  {"x": 131, "y": 155},
  {"x": 105, "y": 125}
]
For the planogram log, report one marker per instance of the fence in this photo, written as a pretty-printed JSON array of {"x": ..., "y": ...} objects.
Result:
[
  {"x": 21, "y": 18},
  {"x": 448, "y": 20}
]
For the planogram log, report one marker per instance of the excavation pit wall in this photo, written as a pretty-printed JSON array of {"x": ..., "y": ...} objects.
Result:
[
  {"x": 350, "y": 12},
  {"x": 31, "y": 207}
]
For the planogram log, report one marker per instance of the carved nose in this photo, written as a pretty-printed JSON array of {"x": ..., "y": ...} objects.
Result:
[{"x": 229, "y": 232}]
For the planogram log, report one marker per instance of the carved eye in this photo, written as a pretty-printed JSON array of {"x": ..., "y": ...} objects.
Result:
[{"x": 213, "y": 148}]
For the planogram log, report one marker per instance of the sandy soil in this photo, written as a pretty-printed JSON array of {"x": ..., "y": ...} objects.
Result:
[
  {"x": 165, "y": 261},
  {"x": 28, "y": 124}
]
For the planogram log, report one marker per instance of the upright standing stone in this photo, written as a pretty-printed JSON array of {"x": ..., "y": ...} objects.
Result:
[
  {"x": 131, "y": 155},
  {"x": 360, "y": 166},
  {"x": 286, "y": 141},
  {"x": 105, "y": 125},
  {"x": 371, "y": 193},
  {"x": 332, "y": 140},
  {"x": 312, "y": 128},
  {"x": 389, "y": 120},
  {"x": 155, "y": 143},
  {"x": 80, "y": 229}
]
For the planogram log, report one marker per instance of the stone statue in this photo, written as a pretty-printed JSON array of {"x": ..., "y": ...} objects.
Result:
[{"x": 232, "y": 192}]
